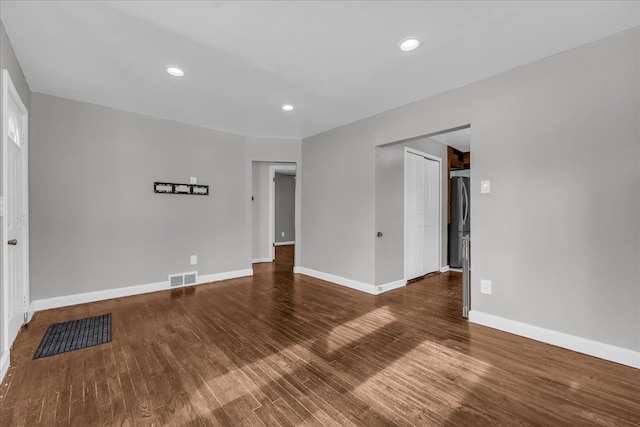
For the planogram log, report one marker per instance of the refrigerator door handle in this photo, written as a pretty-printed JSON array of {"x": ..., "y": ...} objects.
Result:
[{"x": 466, "y": 204}]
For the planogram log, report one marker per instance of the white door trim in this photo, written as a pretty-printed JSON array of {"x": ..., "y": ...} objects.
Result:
[
  {"x": 439, "y": 160},
  {"x": 272, "y": 204},
  {"x": 9, "y": 90}
]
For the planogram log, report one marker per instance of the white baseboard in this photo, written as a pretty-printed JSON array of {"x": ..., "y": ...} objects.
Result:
[
  {"x": 256, "y": 260},
  {"x": 216, "y": 277},
  {"x": 283, "y": 243},
  {"x": 47, "y": 303},
  {"x": 581, "y": 345},
  {"x": 390, "y": 286},
  {"x": 444, "y": 269},
  {"x": 353, "y": 284},
  {"x": 4, "y": 364}
]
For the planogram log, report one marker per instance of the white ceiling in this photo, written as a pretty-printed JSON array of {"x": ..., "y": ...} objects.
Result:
[
  {"x": 336, "y": 61},
  {"x": 459, "y": 139}
]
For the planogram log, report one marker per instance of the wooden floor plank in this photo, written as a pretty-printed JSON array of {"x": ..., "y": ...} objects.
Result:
[{"x": 284, "y": 349}]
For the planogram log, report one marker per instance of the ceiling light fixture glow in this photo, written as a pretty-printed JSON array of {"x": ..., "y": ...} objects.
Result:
[
  {"x": 287, "y": 107},
  {"x": 175, "y": 71},
  {"x": 409, "y": 44}
]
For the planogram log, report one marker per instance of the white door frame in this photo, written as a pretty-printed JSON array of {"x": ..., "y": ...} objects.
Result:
[
  {"x": 272, "y": 204},
  {"x": 9, "y": 91},
  {"x": 404, "y": 237}
]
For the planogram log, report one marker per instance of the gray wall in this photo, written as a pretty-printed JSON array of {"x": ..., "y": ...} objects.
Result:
[
  {"x": 285, "y": 193},
  {"x": 95, "y": 221},
  {"x": 389, "y": 250},
  {"x": 338, "y": 187},
  {"x": 559, "y": 234},
  {"x": 260, "y": 215}
]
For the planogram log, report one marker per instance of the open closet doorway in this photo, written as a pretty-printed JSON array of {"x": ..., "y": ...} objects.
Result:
[{"x": 273, "y": 213}]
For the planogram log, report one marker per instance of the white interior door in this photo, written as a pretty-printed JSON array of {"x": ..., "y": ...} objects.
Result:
[
  {"x": 15, "y": 215},
  {"x": 422, "y": 215}
]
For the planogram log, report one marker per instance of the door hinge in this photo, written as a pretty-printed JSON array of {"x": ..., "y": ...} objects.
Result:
[{"x": 274, "y": 179}]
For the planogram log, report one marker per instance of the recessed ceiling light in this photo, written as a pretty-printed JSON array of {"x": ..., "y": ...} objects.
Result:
[
  {"x": 287, "y": 107},
  {"x": 409, "y": 44},
  {"x": 175, "y": 71}
]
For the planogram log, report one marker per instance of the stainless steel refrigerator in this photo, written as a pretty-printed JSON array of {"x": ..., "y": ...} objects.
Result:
[{"x": 460, "y": 218}]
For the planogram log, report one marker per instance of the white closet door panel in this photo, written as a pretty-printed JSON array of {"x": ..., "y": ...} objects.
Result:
[
  {"x": 410, "y": 214},
  {"x": 432, "y": 215},
  {"x": 422, "y": 215},
  {"x": 419, "y": 249}
]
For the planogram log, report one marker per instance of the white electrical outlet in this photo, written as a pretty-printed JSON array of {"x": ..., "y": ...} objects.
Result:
[
  {"x": 194, "y": 259},
  {"x": 485, "y": 287},
  {"x": 485, "y": 187},
  {"x": 193, "y": 180},
  {"x": 283, "y": 234}
]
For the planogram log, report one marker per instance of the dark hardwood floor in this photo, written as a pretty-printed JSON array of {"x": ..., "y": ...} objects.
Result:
[{"x": 284, "y": 349}]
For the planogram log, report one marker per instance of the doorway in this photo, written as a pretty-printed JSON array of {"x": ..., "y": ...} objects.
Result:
[
  {"x": 273, "y": 210},
  {"x": 459, "y": 205},
  {"x": 14, "y": 211},
  {"x": 282, "y": 197},
  {"x": 393, "y": 260}
]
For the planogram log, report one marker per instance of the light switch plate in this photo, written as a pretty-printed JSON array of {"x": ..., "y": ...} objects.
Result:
[
  {"x": 485, "y": 287},
  {"x": 193, "y": 180},
  {"x": 485, "y": 187},
  {"x": 194, "y": 259}
]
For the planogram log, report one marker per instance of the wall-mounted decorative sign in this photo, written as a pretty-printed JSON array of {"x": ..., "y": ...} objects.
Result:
[{"x": 169, "y": 188}]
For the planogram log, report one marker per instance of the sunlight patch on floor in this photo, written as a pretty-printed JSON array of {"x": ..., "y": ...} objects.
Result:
[
  {"x": 432, "y": 371},
  {"x": 358, "y": 328},
  {"x": 236, "y": 388}
]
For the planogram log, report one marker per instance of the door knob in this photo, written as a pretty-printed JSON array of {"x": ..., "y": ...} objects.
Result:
[{"x": 13, "y": 242}]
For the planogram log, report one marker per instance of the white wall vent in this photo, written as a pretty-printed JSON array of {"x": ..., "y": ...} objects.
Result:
[
  {"x": 176, "y": 280},
  {"x": 190, "y": 278},
  {"x": 183, "y": 279}
]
